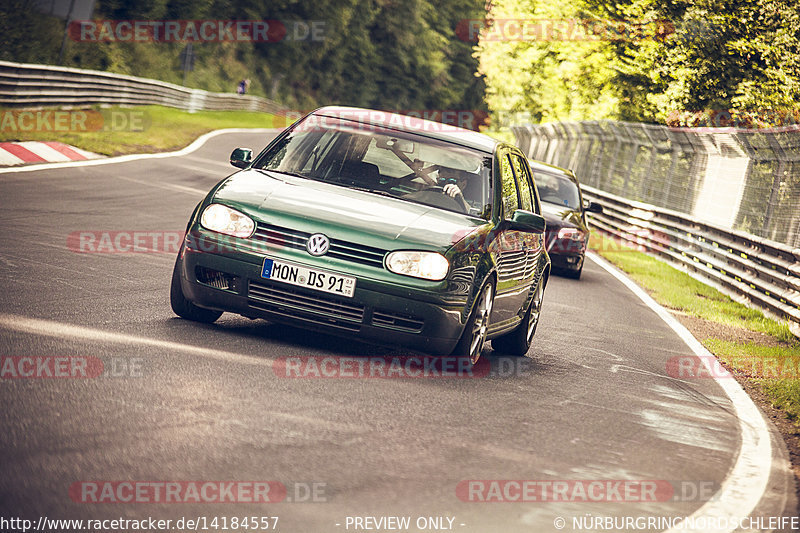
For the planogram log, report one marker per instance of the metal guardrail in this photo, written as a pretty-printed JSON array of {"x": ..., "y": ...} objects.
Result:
[
  {"x": 763, "y": 272},
  {"x": 737, "y": 178},
  {"x": 30, "y": 86},
  {"x": 712, "y": 201}
]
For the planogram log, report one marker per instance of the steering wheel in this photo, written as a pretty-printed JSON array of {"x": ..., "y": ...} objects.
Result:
[
  {"x": 440, "y": 189},
  {"x": 436, "y": 196}
]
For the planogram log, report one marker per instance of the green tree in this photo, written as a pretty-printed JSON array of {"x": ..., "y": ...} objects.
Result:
[
  {"x": 387, "y": 54},
  {"x": 671, "y": 58}
]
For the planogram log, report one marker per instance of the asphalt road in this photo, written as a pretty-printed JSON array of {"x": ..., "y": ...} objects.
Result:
[{"x": 190, "y": 402}]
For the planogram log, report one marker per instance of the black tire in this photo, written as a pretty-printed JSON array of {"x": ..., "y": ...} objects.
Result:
[
  {"x": 518, "y": 342},
  {"x": 183, "y": 307},
  {"x": 473, "y": 339}
]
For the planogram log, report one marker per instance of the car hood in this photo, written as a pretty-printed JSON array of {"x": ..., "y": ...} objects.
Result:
[
  {"x": 339, "y": 212},
  {"x": 560, "y": 216}
]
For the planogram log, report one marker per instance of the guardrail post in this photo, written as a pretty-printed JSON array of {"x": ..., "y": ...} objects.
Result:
[
  {"x": 773, "y": 197},
  {"x": 197, "y": 99},
  {"x": 613, "y": 161},
  {"x": 776, "y": 183},
  {"x": 629, "y": 170}
]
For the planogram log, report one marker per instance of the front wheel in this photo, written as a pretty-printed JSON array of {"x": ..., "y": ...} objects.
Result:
[
  {"x": 518, "y": 342},
  {"x": 183, "y": 307},
  {"x": 474, "y": 337}
]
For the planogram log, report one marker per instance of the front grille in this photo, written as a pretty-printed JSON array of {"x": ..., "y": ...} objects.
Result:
[
  {"x": 318, "y": 308},
  {"x": 357, "y": 253},
  {"x": 278, "y": 236},
  {"x": 348, "y": 251},
  {"x": 387, "y": 319}
]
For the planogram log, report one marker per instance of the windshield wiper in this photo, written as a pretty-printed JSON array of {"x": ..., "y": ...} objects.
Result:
[
  {"x": 295, "y": 174},
  {"x": 374, "y": 191},
  {"x": 268, "y": 173}
]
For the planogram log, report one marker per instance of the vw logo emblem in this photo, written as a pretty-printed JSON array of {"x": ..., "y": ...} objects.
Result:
[{"x": 318, "y": 244}]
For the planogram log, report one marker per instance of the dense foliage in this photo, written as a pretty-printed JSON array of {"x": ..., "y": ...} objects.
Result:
[
  {"x": 390, "y": 54},
  {"x": 681, "y": 62}
]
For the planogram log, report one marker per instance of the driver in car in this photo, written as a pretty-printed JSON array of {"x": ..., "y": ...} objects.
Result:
[{"x": 455, "y": 184}]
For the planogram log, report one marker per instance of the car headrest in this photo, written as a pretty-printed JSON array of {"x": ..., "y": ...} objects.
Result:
[{"x": 361, "y": 172}]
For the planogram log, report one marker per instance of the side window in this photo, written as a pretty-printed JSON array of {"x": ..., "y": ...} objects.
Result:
[
  {"x": 523, "y": 182},
  {"x": 510, "y": 200}
]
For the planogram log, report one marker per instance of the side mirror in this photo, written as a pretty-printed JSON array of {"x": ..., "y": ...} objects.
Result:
[
  {"x": 241, "y": 157},
  {"x": 594, "y": 207},
  {"x": 523, "y": 220}
]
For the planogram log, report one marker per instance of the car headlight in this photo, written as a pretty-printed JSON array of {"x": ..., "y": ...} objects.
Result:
[
  {"x": 570, "y": 234},
  {"x": 222, "y": 219},
  {"x": 425, "y": 265}
]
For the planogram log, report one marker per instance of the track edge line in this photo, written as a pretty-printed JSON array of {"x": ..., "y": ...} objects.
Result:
[{"x": 747, "y": 481}]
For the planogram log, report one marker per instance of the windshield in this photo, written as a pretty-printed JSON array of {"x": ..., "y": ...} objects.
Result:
[
  {"x": 557, "y": 189},
  {"x": 383, "y": 161}
]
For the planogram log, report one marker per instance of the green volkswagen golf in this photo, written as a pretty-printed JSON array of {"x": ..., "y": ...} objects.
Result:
[{"x": 383, "y": 227}]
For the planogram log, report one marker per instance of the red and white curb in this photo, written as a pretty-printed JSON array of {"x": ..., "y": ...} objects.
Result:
[
  {"x": 23, "y": 153},
  {"x": 196, "y": 145}
]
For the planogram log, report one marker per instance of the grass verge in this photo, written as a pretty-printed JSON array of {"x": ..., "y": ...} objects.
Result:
[
  {"x": 769, "y": 359},
  {"x": 125, "y": 130}
]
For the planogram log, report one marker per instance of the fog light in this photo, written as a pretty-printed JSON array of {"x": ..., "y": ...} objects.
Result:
[{"x": 215, "y": 278}]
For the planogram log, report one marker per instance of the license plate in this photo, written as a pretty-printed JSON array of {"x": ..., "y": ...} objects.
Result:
[{"x": 311, "y": 278}]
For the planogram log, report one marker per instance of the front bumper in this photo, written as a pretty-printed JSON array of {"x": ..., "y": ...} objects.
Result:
[
  {"x": 566, "y": 261},
  {"x": 565, "y": 254},
  {"x": 379, "y": 311}
]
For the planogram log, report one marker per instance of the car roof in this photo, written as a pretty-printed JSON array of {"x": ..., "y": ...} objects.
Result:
[
  {"x": 420, "y": 126},
  {"x": 546, "y": 167}
]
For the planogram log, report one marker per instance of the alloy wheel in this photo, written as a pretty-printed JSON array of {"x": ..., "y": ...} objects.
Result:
[{"x": 480, "y": 325}]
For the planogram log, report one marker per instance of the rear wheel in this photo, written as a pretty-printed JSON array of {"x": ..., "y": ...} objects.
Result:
[
  {"x": 518, "y": 342},
  {"x": 473, "y": 339},
  {"x": 183, "y": 307}
]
